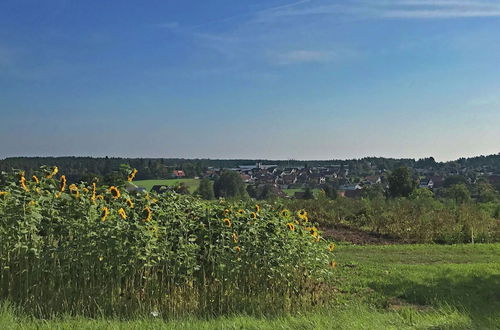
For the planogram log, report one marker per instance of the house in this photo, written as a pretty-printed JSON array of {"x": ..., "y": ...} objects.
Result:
[
  {"x": 245, "y": 177},
  {"x": 426, "y": 183},
  {"x": 178, "y": 173}
]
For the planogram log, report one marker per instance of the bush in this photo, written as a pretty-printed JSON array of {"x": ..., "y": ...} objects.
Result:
[{"x": 420, "y": 218}]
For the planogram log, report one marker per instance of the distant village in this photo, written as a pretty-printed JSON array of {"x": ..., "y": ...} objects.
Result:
[{"x": 347, "y": 182}]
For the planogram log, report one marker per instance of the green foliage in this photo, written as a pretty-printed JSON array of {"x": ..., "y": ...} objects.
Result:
[
  {"x": 453, "y": 180},
  {"x": 99, "y": 250},
  {"x": 206, "y": 190},
  {"x": 330, "y": 191},
  {"x": 420, "y": 218},
  {"x": 401, "y": 183},
  {"x": 379, "y": 287},
  {"x": 308, "y": 193},
  {"x": 458, "y": 192},
  {"x": 229, "y": 185}
]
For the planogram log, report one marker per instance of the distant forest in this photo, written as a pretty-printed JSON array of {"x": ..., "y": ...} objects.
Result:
[{"x": 87, "y": 168}]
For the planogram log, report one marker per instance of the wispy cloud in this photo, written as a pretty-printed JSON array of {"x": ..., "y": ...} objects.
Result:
[
  {"x": 298, "y": 56},
  {"x": 410, "y": 9}
]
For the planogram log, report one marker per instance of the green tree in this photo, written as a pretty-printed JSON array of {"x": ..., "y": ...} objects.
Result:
[
  {"x": 206, "y": 190},
  {"x": 330, "y": 191},
  {"x": 308, "y": 193},
  {"x": 401, "y": 183},
  {"x": 229, "y": 185},
  {"x": 458, "y": 192}
]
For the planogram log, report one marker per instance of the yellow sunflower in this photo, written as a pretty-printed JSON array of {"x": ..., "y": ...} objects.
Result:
[
  {"x": 131, "y": 176},
  {"x": 333, "y": 264},
  {"x": 73, "y": 190},
  {"x": 62, "y": 183},
  {"x": 237, "y": 249},
  {"x": 147, "y": 214},
  {"x": 285, "y": 213},
  {"x": 53, "y": 172},
  {"x": 226, "y": 212},
  {"x": 228, "y": 222},
  {"x": 122, "y": 213},
  {"x": 115, "y": 193},
  {"x": 235, "y": 237},
  {"x": 241, "y": 211},
  {"x": 130, "y": 203},
  {"x": 253, "y": 215},
  {"x": 257, "y": 208},
  {"x": 23, "y": 183},
  {"x": 104, "y": 213},
  {"x": 291, "y": 226},
  {"x": 331, "y": 247},
  {"x": 3, "y": 193},
  {"x": 302, "y": 214},
  {"x": 35, "y": 179},
  {"x": 94, "y": 189}
]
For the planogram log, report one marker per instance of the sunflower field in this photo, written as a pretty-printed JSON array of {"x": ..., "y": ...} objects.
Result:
[{"x": 88, "y": 249}]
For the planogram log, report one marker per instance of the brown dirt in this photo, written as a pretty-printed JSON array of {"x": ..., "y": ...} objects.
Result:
[{"x": 341, "y": 233}]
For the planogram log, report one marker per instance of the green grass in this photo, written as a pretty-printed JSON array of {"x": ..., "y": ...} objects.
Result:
[
  {"x": 377, "y": 287},
  {"x": 192, "y": 184}
]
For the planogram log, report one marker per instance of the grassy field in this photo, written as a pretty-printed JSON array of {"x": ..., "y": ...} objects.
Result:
[
  {"x": 377, "y": 287},
  {"x": 148, "y": 184}
]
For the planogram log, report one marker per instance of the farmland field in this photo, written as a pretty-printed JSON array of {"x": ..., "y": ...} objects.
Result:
[
  {"x": 376, "y": 287},
  {"x": 192, "y": 184}
]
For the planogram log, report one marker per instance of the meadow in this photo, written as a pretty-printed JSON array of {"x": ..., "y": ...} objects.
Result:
[
  {"x": 376, "y": 287},
  {"x": 92, "y": 256}
]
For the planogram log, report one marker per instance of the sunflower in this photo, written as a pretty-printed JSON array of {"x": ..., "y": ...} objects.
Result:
[
  {"x": 285, "y": 213},
  {"x": 73, "y": 190},
  {"x": 122, "y": 213},
  {"x": 53, "y": 172},
  {"x": 241, "y": 211},
  {"x": 147, "y": 214},
  {"x": 94, "y": 189},
  {"x": 331, "y": 247},
  {"x": 228, "y": 222},
  {"x": 291, "y": 226},
  {"x": 62, "y": 183},
  {"x": 257, "y": 208},
  {"x": 302, "y": 214},
  {"x": 35, "y": 179},
  {"x": 23, "y": 183},
  {"x": 131, "y": 176},
  {"x": 115, "y": 193},
  {"x": 101, "y": 197},
  {"x": 58, "y": 194},
  {"x": 235, "y": 237},
  {"x": 333, "y": 264},
  {"x": 104, "y": 213},
  {"x": 130, "y": 203},
  {"x": 237, "y": 249},
  {"x": 226, "y": 212},
  {"x": 253, "y": 215},
  {"x": 3, "y": 193},
  {"x": 85, "y": 190}
]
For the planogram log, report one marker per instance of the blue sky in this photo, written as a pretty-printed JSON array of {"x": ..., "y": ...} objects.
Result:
[{"x": 271, "y": 79}]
